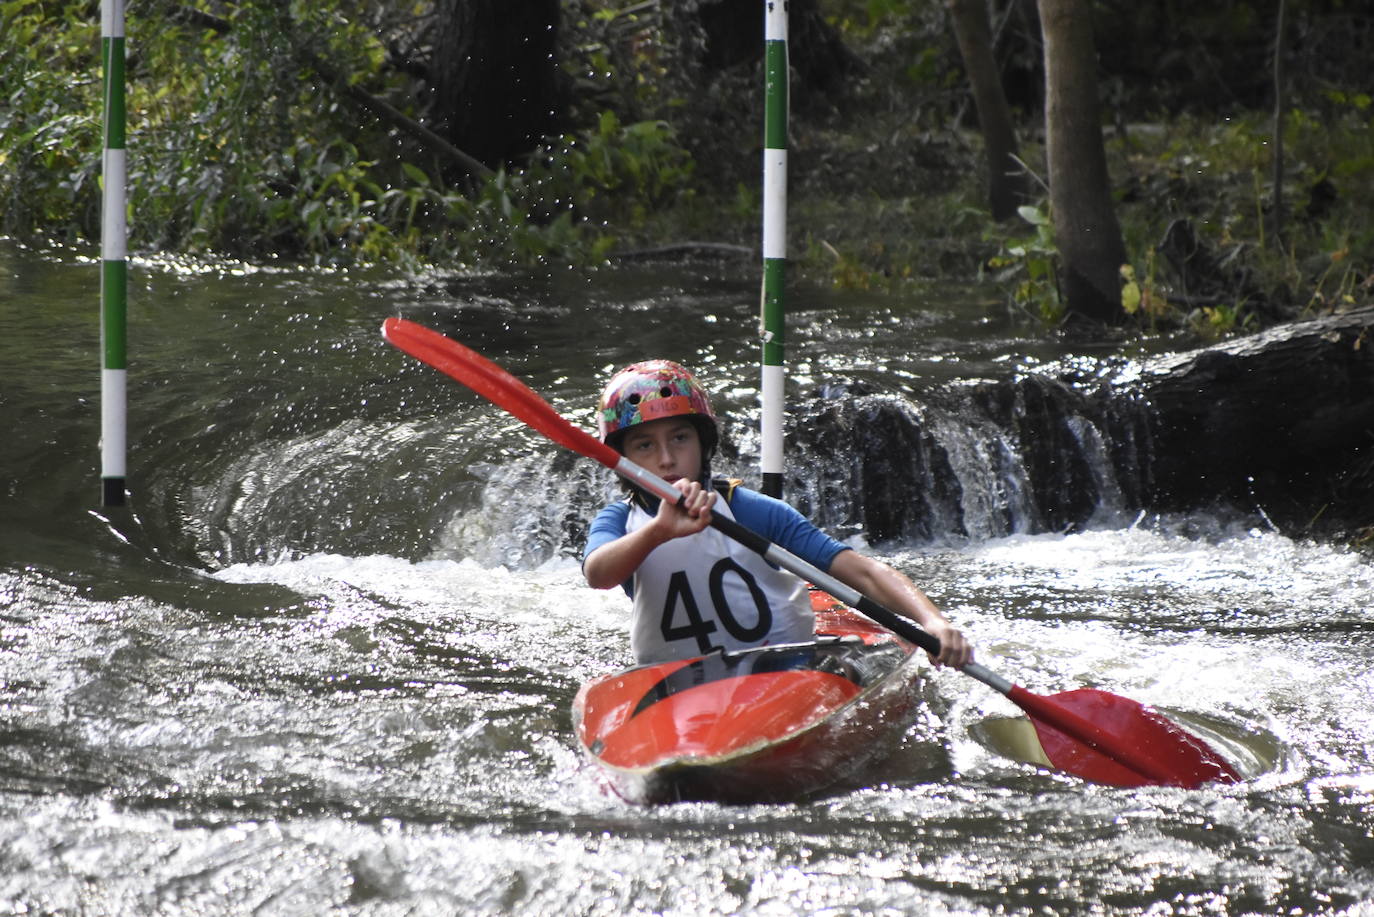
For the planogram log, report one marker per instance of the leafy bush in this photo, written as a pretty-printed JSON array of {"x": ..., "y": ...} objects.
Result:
[
  {"x": 50, "y": 96},
  {"x": 236, "y": 145},
  {"x": 1031, "y": 263}
]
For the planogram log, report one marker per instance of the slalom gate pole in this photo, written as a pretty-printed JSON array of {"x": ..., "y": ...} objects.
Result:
[
  {"x": 772, "y": 316},
  {"x": 114, "y": 274}
]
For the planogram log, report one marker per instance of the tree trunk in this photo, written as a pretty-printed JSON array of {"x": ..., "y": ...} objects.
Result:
[
  {"x": 1007, "y": 182},
  {"x": 1085, "y": 226},
  {"x": 734, "y": 35},
  {"x": 1280, "y": 90},
  {"x": 495, "y": 76}
]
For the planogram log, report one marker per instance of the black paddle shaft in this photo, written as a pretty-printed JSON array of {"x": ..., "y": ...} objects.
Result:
[{"x": 899, "y": 624}]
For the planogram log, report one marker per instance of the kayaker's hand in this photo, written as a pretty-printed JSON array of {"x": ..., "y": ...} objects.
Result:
[
  {"x": 955, "y": 650},
  {"x": 690, "y": 516}
]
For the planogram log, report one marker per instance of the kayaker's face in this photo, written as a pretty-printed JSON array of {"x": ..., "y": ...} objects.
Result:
[{"x": 670, "y": 448}]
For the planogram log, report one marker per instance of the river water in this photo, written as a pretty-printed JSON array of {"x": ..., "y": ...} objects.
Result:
[{"x": 324, "y": 661}]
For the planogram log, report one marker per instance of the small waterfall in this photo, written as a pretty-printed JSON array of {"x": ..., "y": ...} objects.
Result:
[
  {"x": 973, "y": 461},
  {"x": 531, "y": 510},
  {"x": 968, "y": 462}
]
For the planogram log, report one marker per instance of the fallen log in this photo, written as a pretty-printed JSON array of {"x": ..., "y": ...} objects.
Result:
[{"x": 1281, "y": 422}]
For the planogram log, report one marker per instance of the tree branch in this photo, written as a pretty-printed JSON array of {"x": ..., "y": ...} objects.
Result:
[{"x": 359, "y": 97}]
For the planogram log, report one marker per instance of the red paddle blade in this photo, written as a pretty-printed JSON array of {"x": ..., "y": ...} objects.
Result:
[
  {"x": 1123, "y": 743},
  {"x": 494, "y": 384}
]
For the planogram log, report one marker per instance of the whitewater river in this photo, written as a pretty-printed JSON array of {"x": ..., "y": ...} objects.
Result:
[{"x": 323, "y": 663}]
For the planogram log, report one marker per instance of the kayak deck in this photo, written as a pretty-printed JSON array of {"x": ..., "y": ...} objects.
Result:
[{"x": 754, "y": 725}]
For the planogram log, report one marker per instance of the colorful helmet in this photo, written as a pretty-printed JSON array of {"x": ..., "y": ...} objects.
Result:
[{"x": 653, "y": 390}]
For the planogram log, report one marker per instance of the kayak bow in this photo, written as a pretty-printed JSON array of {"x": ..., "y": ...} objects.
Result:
[{"x": 767, "y": 724}]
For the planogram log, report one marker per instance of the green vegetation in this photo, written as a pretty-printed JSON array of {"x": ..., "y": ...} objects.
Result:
[
  {"x": 1033, "y": 262},
  {"x": 242, "y": 143},
  {"x": 1218, "y": 177},
  {"x": 238, "y": 146}
]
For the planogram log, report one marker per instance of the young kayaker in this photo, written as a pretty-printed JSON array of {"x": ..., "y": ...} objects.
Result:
[{"x": 693, "y": 588}]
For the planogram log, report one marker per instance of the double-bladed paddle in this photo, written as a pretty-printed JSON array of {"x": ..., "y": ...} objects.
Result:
[{"x": 1089, "y": 733}]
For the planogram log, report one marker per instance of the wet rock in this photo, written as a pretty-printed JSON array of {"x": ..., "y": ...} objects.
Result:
[{"x": 1279, "y": 424}]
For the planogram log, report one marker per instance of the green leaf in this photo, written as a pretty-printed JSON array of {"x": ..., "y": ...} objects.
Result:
[{"x": 1130, "y": 297}]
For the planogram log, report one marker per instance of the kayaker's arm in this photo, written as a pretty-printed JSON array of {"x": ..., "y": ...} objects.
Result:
[
  {"x": 891, "y": 588},
  {"x": 615, "y": 562}
]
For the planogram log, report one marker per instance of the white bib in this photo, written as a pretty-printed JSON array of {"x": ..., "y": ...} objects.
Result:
[{"x": 706, "y": 591}]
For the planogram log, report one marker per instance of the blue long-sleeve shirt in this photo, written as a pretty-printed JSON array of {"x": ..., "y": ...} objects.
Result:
[{"x": 769, "y": 517}]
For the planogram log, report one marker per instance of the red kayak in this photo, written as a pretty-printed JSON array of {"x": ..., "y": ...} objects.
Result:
[{"x": 767, "y": 724}]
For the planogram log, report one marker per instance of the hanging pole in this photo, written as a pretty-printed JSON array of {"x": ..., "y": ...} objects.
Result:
[
  {"x": 774, "y": 242},
  {"x": 114, "y": 272}
]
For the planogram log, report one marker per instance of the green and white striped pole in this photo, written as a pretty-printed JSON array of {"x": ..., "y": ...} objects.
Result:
[
  {"x": 114, "y": 272},
  {"x": 774, "y": 242}
]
